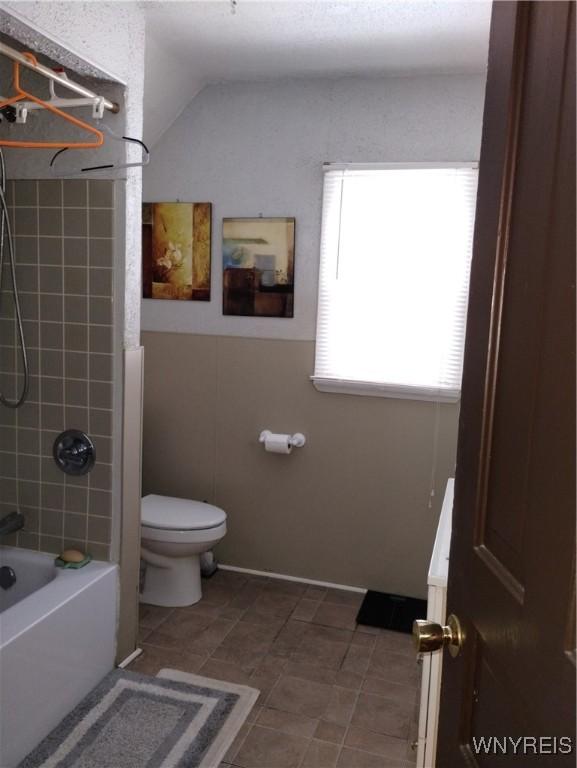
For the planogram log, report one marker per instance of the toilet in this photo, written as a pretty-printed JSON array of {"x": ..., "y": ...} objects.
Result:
[{"x": 175, "y": 532}]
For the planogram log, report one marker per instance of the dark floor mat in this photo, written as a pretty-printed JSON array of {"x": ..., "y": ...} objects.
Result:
[{"x": 380, "y": 609}]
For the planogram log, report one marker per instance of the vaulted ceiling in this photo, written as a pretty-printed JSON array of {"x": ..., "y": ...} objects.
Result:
[{"x": 193, "y": 43}]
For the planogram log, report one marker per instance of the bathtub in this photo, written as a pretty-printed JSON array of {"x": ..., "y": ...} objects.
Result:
[{"x": 57, "y": 641}]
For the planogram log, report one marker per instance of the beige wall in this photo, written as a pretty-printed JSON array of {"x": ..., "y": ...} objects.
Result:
[{"x": 350, "y": 507}]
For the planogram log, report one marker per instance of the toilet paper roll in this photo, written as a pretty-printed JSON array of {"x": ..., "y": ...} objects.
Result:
[{"x": 274, "y": 443}]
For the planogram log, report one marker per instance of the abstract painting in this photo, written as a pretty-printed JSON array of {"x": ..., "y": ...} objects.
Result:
[
  {"x": 258, "y": 266},
  {"x": 176, "y": 241}
]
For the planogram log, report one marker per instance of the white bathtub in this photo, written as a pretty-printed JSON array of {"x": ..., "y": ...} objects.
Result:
[{"x": 57, "y": 641}]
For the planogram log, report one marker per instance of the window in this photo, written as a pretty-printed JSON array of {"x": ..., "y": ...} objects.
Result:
[{"x": 394, "y": 279}]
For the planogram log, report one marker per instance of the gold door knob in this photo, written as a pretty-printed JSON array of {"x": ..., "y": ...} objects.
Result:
[{"x": 431, "y": 637}]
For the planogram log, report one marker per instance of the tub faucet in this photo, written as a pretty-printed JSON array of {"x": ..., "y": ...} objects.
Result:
[{"x": 11, "y": 523}]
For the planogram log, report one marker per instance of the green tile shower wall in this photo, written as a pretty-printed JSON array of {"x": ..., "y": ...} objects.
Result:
[{"x": 63, "y": 233}]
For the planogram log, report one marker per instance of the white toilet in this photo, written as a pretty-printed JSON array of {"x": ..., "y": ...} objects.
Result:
[{"x": 175, "y": 532}]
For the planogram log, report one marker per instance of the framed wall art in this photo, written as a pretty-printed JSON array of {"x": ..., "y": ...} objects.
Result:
[
  {"x": 258, "y": 266},
  {"x": 176, "y": 245}
]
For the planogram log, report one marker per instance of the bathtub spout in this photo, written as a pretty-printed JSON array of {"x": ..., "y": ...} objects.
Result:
[{"x": 11, "y": 523}]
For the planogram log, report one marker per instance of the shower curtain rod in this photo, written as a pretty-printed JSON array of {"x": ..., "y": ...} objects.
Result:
[{"x": 56, "y": 77}]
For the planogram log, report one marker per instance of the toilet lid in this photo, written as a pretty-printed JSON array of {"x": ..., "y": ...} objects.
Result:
[{"x": 179, "y": 514}]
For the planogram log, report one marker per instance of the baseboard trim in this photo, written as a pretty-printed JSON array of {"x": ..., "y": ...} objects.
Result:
[
  {"x": 130, "y": 658},
  {"x": 284, "y": 577}
]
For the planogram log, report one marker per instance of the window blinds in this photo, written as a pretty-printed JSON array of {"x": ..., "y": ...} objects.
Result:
[{"x": 394, "y": 277}]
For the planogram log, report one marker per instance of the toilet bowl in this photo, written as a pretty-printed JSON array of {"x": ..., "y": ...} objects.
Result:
[{"x": 175, "y": 532}]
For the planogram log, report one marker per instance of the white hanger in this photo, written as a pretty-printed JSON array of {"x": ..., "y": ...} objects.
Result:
[{"x": 106, "y": 167}]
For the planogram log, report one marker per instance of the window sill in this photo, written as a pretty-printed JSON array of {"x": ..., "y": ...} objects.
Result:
[{"x": 375, "y": 389}]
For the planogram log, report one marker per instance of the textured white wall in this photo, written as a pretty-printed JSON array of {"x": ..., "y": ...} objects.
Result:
[
  {"x": 169, "y": 87},
  {"x": 109, "y": 36},
  {"x": 252, "y": 148},
  {"x": 99, "y": 33}
]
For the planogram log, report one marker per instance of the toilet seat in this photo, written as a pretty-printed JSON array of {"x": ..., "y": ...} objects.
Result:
[
  {"x": 185, "y": 536},
  {"x": 179, "y": 516}
]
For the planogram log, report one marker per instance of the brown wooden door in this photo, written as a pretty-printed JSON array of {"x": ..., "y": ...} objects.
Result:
[{"x": 512, "y": 567}]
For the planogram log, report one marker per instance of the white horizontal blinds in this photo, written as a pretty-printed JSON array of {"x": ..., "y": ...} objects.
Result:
[{"x": 395, "y": 260}]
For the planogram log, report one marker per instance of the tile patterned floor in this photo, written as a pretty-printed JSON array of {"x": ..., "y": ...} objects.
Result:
[{"x": 333, "y": 694}]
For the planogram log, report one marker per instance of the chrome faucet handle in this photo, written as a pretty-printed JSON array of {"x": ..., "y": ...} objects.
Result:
[{"x": 74, "y": 452}]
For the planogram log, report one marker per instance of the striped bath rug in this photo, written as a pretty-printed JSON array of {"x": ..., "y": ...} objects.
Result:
[{"x": 174, "y": 720}]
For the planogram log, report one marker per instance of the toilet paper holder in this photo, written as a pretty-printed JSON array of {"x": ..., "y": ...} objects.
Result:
[{"x": 297, "y": 440}]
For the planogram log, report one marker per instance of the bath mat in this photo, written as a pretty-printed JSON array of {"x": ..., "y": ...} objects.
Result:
[
  {"x": 174, "y": 720},
  {"x": 381, "y": 609}
]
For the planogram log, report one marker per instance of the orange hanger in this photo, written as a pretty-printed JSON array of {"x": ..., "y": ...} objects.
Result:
[{"x": 21, "y": 94}]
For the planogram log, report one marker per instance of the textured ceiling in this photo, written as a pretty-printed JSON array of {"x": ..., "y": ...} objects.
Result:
[
  {"x": 191, "y": 43},
  {"x": 268, "y": 39}
]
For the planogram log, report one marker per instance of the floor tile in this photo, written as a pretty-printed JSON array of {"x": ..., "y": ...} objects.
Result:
[
  {"x": 275, "y": 604},
  {"x": 246, "y": 644},
  {"x": 377, "y": 743},
  {"x": 320, "y": 754},
  {"x": 311, "y": 672},
  {"x": 202, "y": 641},
  {"x": 237, "y": 743},
  {"x": 341, "y": 705},
  {"x": 153, "y": 659},
  {"x": 267, "y": 748},
  {"x": 151, "y": 616},
  {"x": 395, "y": 667},
  {"x": 362, "y": 638},
  {"x": 357, "y": 659},
  {"x": 332, "y": 694},
  {"x": 368, "y": 630},
  {"x": 271, "y": 666},
  {"x": 246, "y": 633},
  {"x": 256, "y": 614},
  {"x": 344, "y": 597},
  {"x": 143, "y": 633},
  {"x": 334, "y": 634},
  {"x": 323, "y": 675},
  {"x": 304, "y": 697},
  {"x": 246, "y": 596},
  {"x": 264, "y": 684},
  {"x": 229, "y": 579},
  {"x": 287, "y": 722},
  {"x": 342, "y": 616},
  {"x": 355, "y": 758},
  {"x": 223, "y": 611},
  {"x": 185, "y": 625},
  {"x": 285, "y": 587},
  {"x": 322, "y": 652},
  {"x": 216, "y": 595},
  {"x": 253, "y": 714},
  {"x": 347, "y": 679},
  {"x": 315, "y": 593},
  {"x": 305, "y": 609},
  {"x": 223, "y": 670},
  {"x": 375, "y": 713},
  {"x": 405, "y": 694},
  {"x": 289, "y": 638},
  {"x": 247, "y": 658},
  {"x": 330, "y": 732},
  {"x": 212, "y": 636},
  {"x": 397, "y": 642}
]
